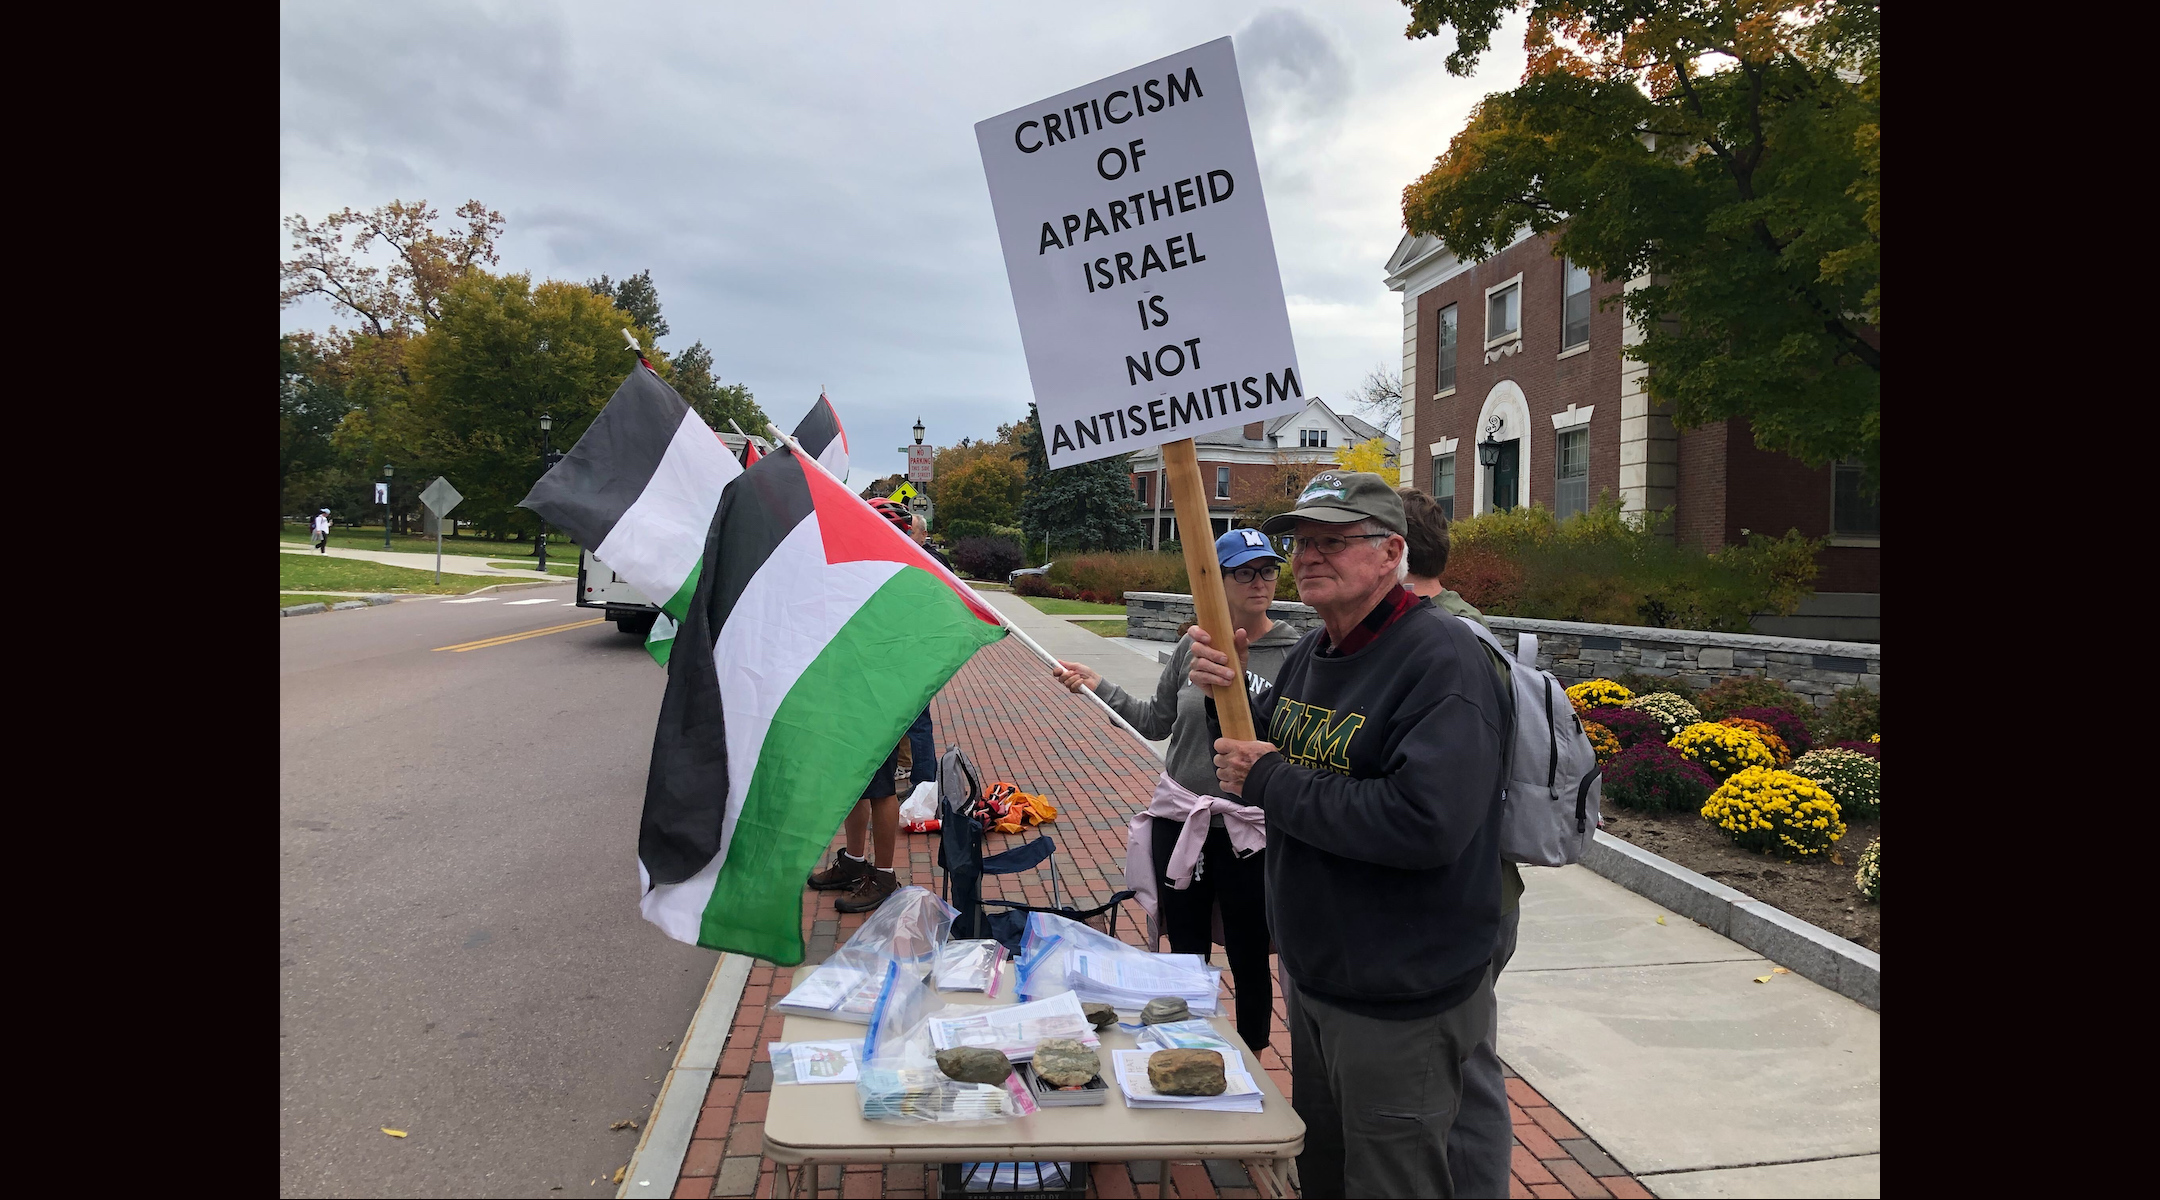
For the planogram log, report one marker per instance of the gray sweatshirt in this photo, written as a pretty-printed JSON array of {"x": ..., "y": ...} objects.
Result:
[{"x": 1180, "y": 710}]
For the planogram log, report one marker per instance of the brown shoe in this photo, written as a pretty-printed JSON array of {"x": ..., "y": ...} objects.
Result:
[
  {"x": 868, "y": 892},
  {"x": 844, "y": 872}
]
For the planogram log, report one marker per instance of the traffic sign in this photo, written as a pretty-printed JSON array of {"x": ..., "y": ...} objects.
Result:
[
  {"x": 904, "y": 493},
  {"x": 919, "y": 459},
  {"x": 440, "y": 497}
]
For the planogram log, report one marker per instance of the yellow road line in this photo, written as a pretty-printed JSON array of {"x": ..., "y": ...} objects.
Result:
[{"x": 506, "y": 639}]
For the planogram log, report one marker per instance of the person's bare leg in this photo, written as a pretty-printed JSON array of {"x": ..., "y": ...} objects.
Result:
[
  {"x": 858, "y": 828},
  {"x": 885, "y": 827}
]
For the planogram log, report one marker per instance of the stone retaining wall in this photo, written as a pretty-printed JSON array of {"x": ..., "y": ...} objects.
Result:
[{"x": 1574, "y": 650}]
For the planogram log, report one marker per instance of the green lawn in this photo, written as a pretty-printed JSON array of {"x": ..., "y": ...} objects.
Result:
[
  {"x": 346, "y": 537},
  {"x": 353, "y": 575},
  {"x": 1073, "y": 608},
  {"x": 1103, "y": 628},
  {"x": 554, "y": 568}
]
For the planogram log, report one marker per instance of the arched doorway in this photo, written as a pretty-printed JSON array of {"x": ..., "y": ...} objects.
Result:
[{"x": 1506, "y": 417}]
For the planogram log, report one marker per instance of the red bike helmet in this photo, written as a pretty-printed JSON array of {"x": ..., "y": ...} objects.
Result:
[{"x": 893, "y": 511}]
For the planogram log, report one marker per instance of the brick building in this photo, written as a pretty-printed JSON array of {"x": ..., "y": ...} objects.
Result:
[
  {"x": 1235, "y": 460},
  {"x": 1521, "y": 347}
]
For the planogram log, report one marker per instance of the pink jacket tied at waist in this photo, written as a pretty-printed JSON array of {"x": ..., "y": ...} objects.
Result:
[{"x": 1246, "y": 825}]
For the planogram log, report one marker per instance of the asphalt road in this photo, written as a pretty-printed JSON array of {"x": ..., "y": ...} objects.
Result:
[{"x": 460, "y": 947}]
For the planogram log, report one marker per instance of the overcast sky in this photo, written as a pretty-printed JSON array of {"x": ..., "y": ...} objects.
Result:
[{"x": 803, "y": 179}]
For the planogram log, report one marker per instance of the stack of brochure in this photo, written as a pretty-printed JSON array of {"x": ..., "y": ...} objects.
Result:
[
  {"x": 970, "y": 966},
  {"x": 815, "y": 1062},
  {"x": 1187, "y": 1035},
  {"x": 1129, "y": 980},
  {"x": 1012, "y": 1030},
  {"x": 838, "y": 991},
  {"x": 1014, "y": 1177},
  {"x": 1240, "y": 1095}
]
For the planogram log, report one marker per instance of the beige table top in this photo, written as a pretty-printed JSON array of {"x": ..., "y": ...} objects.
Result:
[{"x": 824, "y": 1122}]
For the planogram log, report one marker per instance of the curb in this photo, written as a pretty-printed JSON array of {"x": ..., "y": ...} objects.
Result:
[
  {"x": 656, "y": 1165},
  {"x": 1843, "y": 966},
  {"x": 301, "y": 610}
]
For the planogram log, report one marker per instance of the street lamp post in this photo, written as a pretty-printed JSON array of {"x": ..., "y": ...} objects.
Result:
[
  {"x": 386, "y": 469},
  {"x": 547, "y": 459}
]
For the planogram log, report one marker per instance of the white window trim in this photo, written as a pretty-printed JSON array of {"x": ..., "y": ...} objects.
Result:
[
  {"x": 1565, "y": 263},
  {"x": 1571, "y": 351},
  {"x": 1442, "y": 395},
  {"x": 1573, "y": 417},
  {"x": 1506, "y": 401},
  {"x": 1857, "y": 540},
  {"x": 1490, "y": 342},
  {"x": 1445, "y": 445}
]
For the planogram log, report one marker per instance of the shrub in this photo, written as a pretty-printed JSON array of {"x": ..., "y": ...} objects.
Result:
[
  {"x": 1771, "y": 811},
  {"x": 1869, "y": 877},
  {"x": 1652, "y": 777},
  {"x": 1723, "y": 750},
  {"x": 1105, "y": 577},
  {"x": 1728, "y": 696},
  {"x": 1854, "y": 779},
  {"x": 1853, "y": 715},
  {"x": 1778, "y": 749},
  {"x": 1602, "y": 740},
  {"x": 1871, "y": 749},
  {"x": 1643, "y": 685},
  {"x": 1784, "y": 722},
  {"x": 1628, "y": 725},
  {"x": 1597, "y": 693},
  {"x": 1039, "y": 585},
  {"x": 1672, "y": 713},
  {"x": 987, "y": 557},
  {"x": 1622, "y": 569}
]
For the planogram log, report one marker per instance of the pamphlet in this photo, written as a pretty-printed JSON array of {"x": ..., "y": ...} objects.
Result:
[
  {"x": 1240, "y": 1094},
  {"x": 815, "y": 1062},
  {"x": 1014, "y": 1029}
]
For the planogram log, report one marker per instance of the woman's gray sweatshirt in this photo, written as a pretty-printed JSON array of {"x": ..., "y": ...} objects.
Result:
[{"x": 1180, "y": 710}]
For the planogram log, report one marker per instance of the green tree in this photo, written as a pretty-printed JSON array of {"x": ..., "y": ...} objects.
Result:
[
  {"x": 310, "y": 408},
  {"x": 502, "y": 352},
  {"x": 1084, "y": 507},
  {"x": 1727, "y": 151},
  {"x": 691, "y": 375},
  {"x": 636, "y": 296},
  {"x": 984, "y": 492}
]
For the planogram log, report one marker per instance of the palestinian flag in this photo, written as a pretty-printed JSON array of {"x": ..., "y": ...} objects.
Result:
[
  {"x": 639, "y": 490},
  {"x": 821, "y": 435},
  {"x": 749, "y": 455},
  {"x": 817, "y": 632}
]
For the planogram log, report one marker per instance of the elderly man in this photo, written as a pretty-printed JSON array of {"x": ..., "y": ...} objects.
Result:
[{"x": 1381, "y": 779}]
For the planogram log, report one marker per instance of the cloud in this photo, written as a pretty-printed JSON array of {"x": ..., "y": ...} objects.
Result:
[{"x": 803, "y": 181}]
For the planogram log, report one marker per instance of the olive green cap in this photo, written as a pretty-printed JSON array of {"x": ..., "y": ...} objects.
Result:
[{"x": 1343, "y": 498}]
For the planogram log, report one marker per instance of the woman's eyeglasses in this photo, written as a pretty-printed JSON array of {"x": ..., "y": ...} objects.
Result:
[{"x": 1248, "y": 574}]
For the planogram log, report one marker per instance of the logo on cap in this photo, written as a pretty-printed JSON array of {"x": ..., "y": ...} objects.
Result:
[
  {"x": 1324, "y": 487},
  {"x": 1255, "y": 539}
]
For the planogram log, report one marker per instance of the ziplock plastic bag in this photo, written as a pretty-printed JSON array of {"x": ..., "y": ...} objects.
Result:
[
  {"x": 909, "y": 928},
  {"x": 1011, "y": 1029},
  {"x": 900, "y": 1079},
  {"x": 815, "y": 1062},
  {"x": 1062, "y": 955}
]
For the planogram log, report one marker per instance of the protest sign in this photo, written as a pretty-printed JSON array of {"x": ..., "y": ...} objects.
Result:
[{"x": 1142, "y": 267}]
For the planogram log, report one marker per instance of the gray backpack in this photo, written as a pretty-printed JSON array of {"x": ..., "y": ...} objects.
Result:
[{"x": 1549, "y": 811}]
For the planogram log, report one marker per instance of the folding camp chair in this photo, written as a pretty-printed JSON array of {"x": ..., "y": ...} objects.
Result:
[{"x": 960, "y": 856}]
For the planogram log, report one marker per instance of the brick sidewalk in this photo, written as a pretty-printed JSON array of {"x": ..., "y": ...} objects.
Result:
[{"x": 1002, "y": 709}]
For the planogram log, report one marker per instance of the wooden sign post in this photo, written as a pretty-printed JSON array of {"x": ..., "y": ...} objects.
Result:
[{"x": 1211, "y": 608}]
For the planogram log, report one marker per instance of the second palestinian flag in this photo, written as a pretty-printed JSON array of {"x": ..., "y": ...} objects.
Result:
[{"x": 815, "y": 636}]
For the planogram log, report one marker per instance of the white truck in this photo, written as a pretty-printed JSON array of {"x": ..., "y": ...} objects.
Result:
[{"x": 601, "y": 588}]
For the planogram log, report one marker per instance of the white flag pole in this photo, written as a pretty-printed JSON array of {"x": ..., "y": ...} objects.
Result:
[{"x": 780, "y": 438}]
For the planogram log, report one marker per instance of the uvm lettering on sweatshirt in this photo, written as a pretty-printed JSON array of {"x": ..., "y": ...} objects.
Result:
[{"x": 1311, "y": 736}]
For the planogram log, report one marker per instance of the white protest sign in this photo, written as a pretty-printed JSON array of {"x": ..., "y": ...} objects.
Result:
[{"x": 1142, "y": 268}]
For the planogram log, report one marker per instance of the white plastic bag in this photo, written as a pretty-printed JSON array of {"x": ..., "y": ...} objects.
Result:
[
  {"x": 921, "y": 804},
  {"x": 909, "y": 928}
]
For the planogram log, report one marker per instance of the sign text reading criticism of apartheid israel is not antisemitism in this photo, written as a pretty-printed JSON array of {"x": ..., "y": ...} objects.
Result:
[{"x": 1142, "y": 268}]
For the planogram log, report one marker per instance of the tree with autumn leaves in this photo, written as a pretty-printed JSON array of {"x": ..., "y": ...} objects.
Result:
[
  {"x": 1726, "y": 153},
  {"x": 449, "y": 366}
]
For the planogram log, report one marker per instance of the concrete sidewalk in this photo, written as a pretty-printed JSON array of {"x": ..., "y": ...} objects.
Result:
[{"x": 452, "y": 564}]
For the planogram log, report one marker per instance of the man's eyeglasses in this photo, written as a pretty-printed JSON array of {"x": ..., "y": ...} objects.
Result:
[
  {"x": 1330, "y": 544},
  {"x": 1248, "y": 574}
]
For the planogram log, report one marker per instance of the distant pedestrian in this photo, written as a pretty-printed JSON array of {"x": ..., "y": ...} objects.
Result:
[{"x": 321, "y": 533}]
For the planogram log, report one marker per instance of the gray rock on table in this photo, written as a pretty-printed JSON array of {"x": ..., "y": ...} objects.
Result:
[
  {"x": 973, "y": 1064},
  {"x": 1063, "y": 1062},
  {"x": 1101, "y": 1016},
  {"x": 1186, "y": 1073},
  {"x": 1164, "y": 1009}
]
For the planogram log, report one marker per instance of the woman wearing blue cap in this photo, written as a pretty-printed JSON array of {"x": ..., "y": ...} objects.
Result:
[{"x": 1207, "y": 852}]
